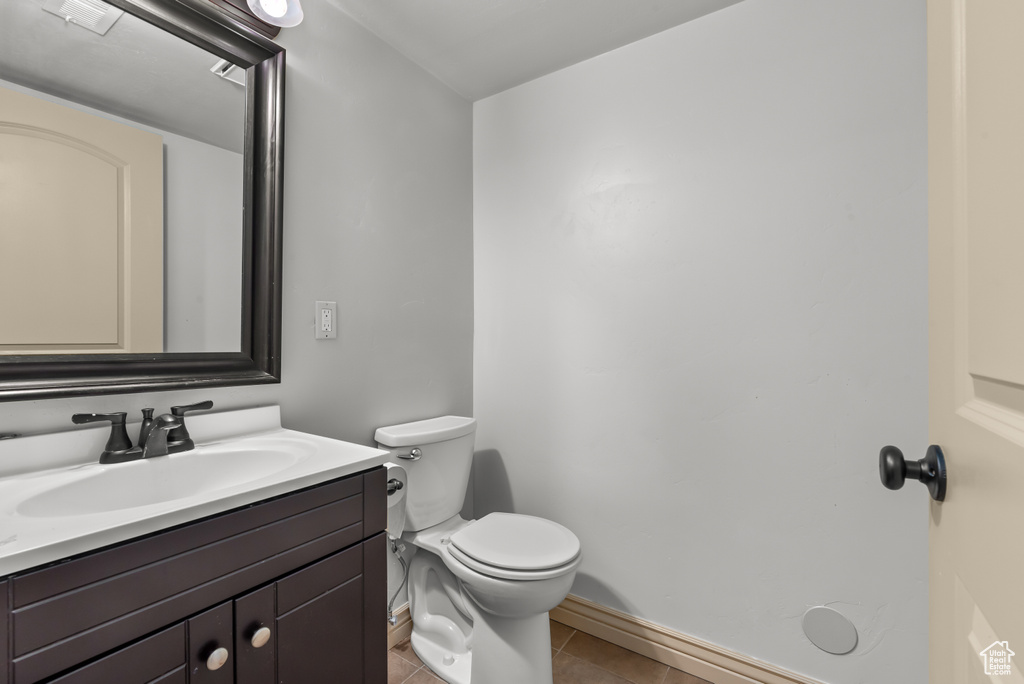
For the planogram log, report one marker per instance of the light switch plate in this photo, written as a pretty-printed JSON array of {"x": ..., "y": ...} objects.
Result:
[{"x": 325, "y": 325}]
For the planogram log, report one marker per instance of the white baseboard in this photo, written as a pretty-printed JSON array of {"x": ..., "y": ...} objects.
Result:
[
  {"x": 400, "y": 631},
  {"x": 699, "y": 658}
]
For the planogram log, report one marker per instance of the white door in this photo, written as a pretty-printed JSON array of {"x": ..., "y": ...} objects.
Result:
[
  {"x": 976, "y": 373},
  {"x": 81, "y": 231}
]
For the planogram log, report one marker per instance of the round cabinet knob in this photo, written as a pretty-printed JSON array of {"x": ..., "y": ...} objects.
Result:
[
  {"x": 217, "y": 659},
  {"x": 261, "y": 637}
]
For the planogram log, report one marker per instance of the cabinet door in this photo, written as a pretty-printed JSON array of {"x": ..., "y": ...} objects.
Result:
[
  {"x": 5, "y": 645},
  {"x": 256, "y": 637},
  {"x": 210, "y": 640},
  {"x": 159, "y": 659},
  {"x": 320, "y": 622}
]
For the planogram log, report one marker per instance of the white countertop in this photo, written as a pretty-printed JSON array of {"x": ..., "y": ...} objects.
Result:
[{"x": 236, "y": 458}]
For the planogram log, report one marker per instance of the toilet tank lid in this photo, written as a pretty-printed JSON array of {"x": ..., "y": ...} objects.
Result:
[{"x": 425, "y": 431}]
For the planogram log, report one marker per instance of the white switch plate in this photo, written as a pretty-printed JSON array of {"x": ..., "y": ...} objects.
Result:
[{"x": 325, "y": 324}]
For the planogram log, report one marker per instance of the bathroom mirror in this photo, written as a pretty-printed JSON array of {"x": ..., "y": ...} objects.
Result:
[{"x": 217, "y": 267}]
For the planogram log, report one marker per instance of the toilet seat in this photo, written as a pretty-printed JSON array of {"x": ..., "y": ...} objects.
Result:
[
  {"x": 516, "y": 547},
  {"x": 507, "y": 574}
]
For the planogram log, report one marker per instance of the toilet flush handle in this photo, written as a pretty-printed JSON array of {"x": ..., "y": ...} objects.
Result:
[{"x": 413, "y": 455}]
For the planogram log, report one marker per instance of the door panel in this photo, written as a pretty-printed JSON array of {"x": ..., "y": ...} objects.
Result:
[
  {"x": 320, "y": 624},
  {"x": 321, "y": 642},
  {"x": 308, "y": 583},
  {"x": 76, "y": 237},
  {"x": 5, "y": 645},
  {"x": 976, "y": 374},
  {"x": 255, "y": 611},
  {"x": 81, "y": 250},
  {"x": 208, "y": 632},
  {"x": 375, "y": 613}
]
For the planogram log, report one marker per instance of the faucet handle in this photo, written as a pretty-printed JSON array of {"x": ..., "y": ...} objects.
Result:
[
  {"x": 178, "y": 438},
  {"x": 199, "y": 406},
  {"x": 146, "y": 427},
  {"x": 118, "y": 443}
]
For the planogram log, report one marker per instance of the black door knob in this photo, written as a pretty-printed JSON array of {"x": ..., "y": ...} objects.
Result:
[{"x": 931, "y": 470}]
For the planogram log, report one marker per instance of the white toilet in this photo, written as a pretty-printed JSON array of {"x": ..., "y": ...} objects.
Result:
[{"x": 479, "y": 590}]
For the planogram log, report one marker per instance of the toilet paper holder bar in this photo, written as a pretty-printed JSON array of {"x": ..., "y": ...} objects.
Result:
[{"x": 394, "y": 485}]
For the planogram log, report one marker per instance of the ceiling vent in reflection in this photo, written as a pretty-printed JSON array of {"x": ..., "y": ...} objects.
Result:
[
  {"x": 94, "y": 15},
  {"x": 229, "y": 71}
]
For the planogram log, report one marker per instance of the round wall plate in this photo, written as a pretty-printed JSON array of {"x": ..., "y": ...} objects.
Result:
[{"x": 830, "y": 630}]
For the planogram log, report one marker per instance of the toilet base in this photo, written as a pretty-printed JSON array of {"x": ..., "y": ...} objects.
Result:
[
  {"x": 503, "y": 654},
  {"x": 512, "y": 650},
  {"x": 435, "y": 657}
]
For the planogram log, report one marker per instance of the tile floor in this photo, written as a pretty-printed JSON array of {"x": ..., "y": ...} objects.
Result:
[{"x": 578, "y": 659}]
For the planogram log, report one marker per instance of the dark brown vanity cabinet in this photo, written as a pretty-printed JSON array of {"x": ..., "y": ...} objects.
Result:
[{"x": 287, "y": 591}]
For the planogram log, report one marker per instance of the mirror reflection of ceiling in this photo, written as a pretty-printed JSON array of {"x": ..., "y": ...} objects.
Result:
[
  {"x": 135, "y": 71},
  {"x": 482, "y": 47}
]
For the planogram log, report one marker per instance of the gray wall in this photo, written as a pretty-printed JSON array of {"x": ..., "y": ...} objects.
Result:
[
  {"x": 203, "y": 276},
  {"x": 701, "y": 311},
  {"x": 378, "y": 218}
]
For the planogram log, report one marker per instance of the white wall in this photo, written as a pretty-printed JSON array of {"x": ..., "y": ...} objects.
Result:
[
  {"x": 700, "y": 269},
  {"x": 378, "y": 217}
]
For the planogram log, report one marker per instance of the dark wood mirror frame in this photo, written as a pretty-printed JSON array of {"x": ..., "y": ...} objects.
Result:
[{"x": 259, "y": 361}]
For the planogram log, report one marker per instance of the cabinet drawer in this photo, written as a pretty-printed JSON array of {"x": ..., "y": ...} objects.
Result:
[
  {"x": 77, "y": 610},
  {"x": 159, "y": 658}
]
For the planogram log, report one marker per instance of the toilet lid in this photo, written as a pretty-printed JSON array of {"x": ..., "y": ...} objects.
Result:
[{"x": 517, "y": 542}]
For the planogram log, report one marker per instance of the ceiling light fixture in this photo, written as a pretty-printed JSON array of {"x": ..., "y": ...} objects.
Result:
[{"x": 283, "y": 13}]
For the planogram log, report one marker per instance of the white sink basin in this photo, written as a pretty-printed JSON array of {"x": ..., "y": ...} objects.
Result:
[
  {"x": 106, "y": 488},
  {"x": 76, "y": 506}
]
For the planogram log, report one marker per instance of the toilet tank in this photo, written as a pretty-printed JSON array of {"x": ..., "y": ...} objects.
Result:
[{"x": 438, "y": 478}]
